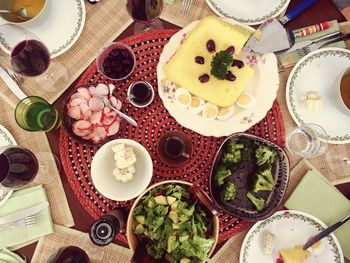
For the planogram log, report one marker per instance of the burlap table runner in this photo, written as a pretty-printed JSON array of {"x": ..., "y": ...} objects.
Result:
[
  {"x": 230, "y": 251},
  {"x": 68, "y": 237},
  {"x": 48, "y": 174}
]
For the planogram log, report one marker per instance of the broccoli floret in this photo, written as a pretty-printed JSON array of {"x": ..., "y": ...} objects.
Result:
[
  {"x": 265, "y": 155},
  {"x": 258, "y": 202},
  {"x": 232, "y": 146},
  {"x": 230, "y": 159},
  {"x": 264, "y": 181},
  {"x": 221, "y": 174},
  {"x": 229, "y": 192}
]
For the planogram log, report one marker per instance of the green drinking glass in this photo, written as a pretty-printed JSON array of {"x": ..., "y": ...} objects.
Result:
[{"x": 36, "y": 114}]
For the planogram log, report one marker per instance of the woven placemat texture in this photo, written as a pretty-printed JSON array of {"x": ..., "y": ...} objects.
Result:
[
  {"x": 104, "y": 22},
  {"x": 230, "y": 251},
  {"x": 48, "y": 174},
  {"x": 64, "y": 237}
]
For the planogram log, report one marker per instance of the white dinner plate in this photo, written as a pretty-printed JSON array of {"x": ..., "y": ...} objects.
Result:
[
  {"x": 319, "y": 71},
  {"x": 6, "y": 138},
  {"x": 291, "y": 228},
  {"x": 263, "y": 87},
  {"x": 250, "y": 12},
  {"x": 58, "y": 26}
]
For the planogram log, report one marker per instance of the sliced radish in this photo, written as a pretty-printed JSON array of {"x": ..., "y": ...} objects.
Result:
[
  {"x": 106, "y": 110},
  {"x": 84, "y": 108},
  {"x": 113, "y": 128},
  {"x": 81, "y": 90},
  {"x": 119, "y": 105},
  {"x": 87, "y": 114},
  {"x": 111, "y": 114},
  {"x": 82, "y": 125},
  {"x": 96, "y": 117},
  {"x": 96, "y": 104},
  {"x": 81, "y": 133},
  {"x": 113, "y": 101},
  {"x": 74, "y": 112},
  {"x": 77, "y": 96},
  {"x": 102, "y": 89},
  {"x": 92, "y": 90},
  {"x": 108, "y": 120},
  {"x": 85, "y": 94},
  {"x": 111, "y": 89},
  {"x": 77, "y": 102}
]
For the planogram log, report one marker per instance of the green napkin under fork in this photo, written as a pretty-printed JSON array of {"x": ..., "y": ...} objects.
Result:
[
  {"x": 315, "y": 195},
  {"x": 19, "y": 200}
]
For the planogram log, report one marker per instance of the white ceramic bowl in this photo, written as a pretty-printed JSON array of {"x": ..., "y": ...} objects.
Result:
[
  {"x": 102, "y": 167},
  {"x": 338, "y": 97}
]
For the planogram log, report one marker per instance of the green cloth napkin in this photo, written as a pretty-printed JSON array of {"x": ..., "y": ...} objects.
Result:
[
  {"x": 20, "y": 200},
  {"x": 6, "y": 256},
  {"x": 318, "y": 197}
]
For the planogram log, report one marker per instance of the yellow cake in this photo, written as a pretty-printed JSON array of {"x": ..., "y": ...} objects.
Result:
[
  {"x": 294, "y": 255},
  {"x": 185, "y": 72}
]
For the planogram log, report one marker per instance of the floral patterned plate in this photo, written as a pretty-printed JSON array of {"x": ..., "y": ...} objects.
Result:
[
  {"x": 291, "y": 228},
  {"x": 250, "y": 12},
  {"x": 263, "y": 87},
  {"x": 318, "y": 71},
  {"x": 6, "y": 138},
  {"x": 58, "y": 26}
]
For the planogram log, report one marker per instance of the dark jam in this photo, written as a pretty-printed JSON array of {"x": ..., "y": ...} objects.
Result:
[
  {"x": 141, "y": 93},
  {"x": 174, "y": 147},
  {"x": 18, "y": 167},
  {"x": 118, "y": 63},
  {"x": 30, "y": 58}
]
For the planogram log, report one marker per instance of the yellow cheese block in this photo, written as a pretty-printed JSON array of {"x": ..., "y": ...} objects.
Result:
[
  {"x": 185, "y": 72},
  {"x": 294, "y": 255}
]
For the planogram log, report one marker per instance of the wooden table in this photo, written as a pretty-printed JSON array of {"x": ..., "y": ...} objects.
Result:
[{"x": 322, "y": 11}]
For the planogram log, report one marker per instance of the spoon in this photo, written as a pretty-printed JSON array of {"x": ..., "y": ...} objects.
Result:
[
  {"x": 20, "y": 13},
  {"x": 124, "y": 116}
]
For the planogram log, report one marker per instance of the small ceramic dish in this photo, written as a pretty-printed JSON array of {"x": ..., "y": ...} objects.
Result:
[{"x": 34, "y": 10}]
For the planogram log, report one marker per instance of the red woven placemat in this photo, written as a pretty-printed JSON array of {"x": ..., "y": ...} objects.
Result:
[{"x": 153, "y": 121}]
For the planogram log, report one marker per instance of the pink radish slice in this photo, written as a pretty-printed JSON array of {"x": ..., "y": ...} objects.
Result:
[
  {"x": 111, "y": 89},
  {"x": 74, "y": 112},
  {"x": 77, "y": 102},
  {"x": 87, "y": 115},
  {"x": 96, "y": 117},
  {"x": 82, "y": 125},
  {"x": 92, "y": 90},
  {"x": 113, "y": 128},
  {"x": 111, "y": 114},
  {"x": 96, "y": 104},
  {"x": 119, "y": 105},
  {"x": 81, "y": 133},
  {"x": 113, "y": 101},
  {"x": 81, "y": 90},
  {"x": 77, "y": 96},
  {"x": 102, "y": 89},
  {"x": 108, "y": 120},
  {"x": 106, "y": 110},
  {"x": 85, "y": 94},
  {"x": 84, "y": 108}
]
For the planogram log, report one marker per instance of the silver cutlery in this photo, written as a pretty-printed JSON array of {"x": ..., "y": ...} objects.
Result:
[
  {"x": 312, "y": 47},
  {"x": 29, "y": 221},
  {"x": 21, "y": 214},
  {"x": 12, "y": 81},
  {"x": 20, "y": 13},
  {"x": 121, "y": 114},
  {"x": 186, "y": 6}
]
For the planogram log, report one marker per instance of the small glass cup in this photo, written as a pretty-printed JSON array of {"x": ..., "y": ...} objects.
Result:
[
  {"x": 308, "y": 140},
  {"x": 140, "y": 94},
  {"x": 36, "y": 114}
]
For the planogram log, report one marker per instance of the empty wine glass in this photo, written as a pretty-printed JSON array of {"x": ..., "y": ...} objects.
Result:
[
  {"x": 308, "y": 140},
  {"x": 145, "y": 13}
]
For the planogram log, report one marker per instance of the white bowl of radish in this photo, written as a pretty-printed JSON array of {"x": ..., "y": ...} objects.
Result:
[{"x": 85, "y": 117}]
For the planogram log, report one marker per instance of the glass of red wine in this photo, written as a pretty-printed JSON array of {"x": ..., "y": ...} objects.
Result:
[
  {"x": 19, "y": 166},
  {"x": 146, "y": 14}
]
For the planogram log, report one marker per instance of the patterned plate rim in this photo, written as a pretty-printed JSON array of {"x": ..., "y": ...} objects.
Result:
[
  {"x": 256, "y": 21},
  {"x": 332, "y": 240},
  {"x": 294, "y": 74},
  {"x": 7, "y": 135}
]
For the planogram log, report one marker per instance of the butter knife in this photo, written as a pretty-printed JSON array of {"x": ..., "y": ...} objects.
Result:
[
  {"x": 18, "y": 215},
  {"x": 12, "y": 84},
  {"x": 326, "y": 232}
]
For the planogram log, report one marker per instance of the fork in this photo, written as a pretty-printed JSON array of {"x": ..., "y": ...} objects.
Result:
[
  {"x": 29, "y": 221},
  {"x": 186, "y": 6},
  {"x": 316, "y": 45},
  {"x": 121, "y": 114}
]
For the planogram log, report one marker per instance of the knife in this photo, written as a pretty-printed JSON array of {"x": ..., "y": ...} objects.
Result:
[
  {"x": 271, "y": 36},
  {"x": 12, "y": 84},
  {"x": 326, "y": 232},
  {"x": 21, "y": 214}
]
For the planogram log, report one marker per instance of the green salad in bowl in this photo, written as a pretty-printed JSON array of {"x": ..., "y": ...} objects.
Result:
[{"x": 177, "y": 227}]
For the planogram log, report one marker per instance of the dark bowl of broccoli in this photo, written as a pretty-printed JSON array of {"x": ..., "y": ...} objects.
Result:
[{"x": 249, "y": 177}]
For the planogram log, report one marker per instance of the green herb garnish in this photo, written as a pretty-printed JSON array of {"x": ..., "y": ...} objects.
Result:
[{"x": 220, "y": 64}]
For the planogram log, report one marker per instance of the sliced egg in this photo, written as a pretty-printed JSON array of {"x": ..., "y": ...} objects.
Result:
[
  {"x": 246, "y": 101},
  {"x": 196, "y": 105},
  {"x": 183, "y": 97},
  {"x": 225, "y": 113},
  {"x": 210, "y": 111}
]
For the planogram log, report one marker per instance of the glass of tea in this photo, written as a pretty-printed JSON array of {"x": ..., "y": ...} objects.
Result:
[
  {"x": 116, "y": 61},
  {"x": 19, "y": 166},
  {"x": 69, "y": 254},
  {"x": 145, "y": 13},
  {"x": 36, "y": 114},
  {"x": 140, "y": 94}
]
